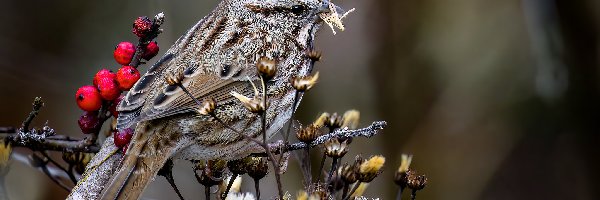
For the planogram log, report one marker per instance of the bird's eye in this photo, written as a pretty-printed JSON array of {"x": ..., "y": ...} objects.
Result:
[{"x": 298, "y": 9}]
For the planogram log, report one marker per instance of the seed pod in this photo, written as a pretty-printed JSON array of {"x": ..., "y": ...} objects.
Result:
[
  {"x": 335, "y": 148},
  {"x": 266, "y": 68},
  {"x": 308, "y": 134},
  {"x": 303, "y": 84},
  {"x": 258, "y": 168},
  {"x": 370, "y": 168}
]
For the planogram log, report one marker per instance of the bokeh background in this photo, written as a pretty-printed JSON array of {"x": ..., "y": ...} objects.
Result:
[{"x": 495, "y": 99}]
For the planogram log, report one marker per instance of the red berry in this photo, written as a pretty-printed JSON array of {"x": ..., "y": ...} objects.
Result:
[
  {"x": 88, "y": 122},
  {"x": 142, "y": 26},
  {"x": 109, "y": 89},
  {"x": 113, "y": 107},
  {"x": 103, "y": 73},
  {"x": 124, "y": 53},
  {"x": 151, "y": 50},
  {"x": 127, "y": 76},
  {"x": 88, "y": 98},
  {"x": 122, "y": 137}
]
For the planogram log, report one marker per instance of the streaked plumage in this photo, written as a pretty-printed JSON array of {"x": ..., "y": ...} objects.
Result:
[{"x": 216, "y": 56}]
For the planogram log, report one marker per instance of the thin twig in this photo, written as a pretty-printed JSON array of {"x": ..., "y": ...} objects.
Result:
[
  {"x": 368, "y": 132},
  {"x": 207, "y": 192},
  {"x": 413, "y": 195},
  {"x": 7, "y": 129},
  {"x": 352, "y": 191},
  {"x": 37, "y": 105},
  {"x": 257, "y": 187},
  {"x": 229, "y": 184},
  {"x": 321, "y": 166},
  {"x": 333, "y": 168},
  {"x": 167, "y": 172},
  {"x": 399, "y": 194},
  {"x": 69, "y": 171}
]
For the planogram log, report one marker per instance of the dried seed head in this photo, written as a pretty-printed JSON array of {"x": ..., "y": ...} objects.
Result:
[
  {"x": 415, "y": 181},
  {"x": 258, "y": 167},
  {"x": 315, "y": 56},
  {"x": 303, "y": 84},
  {"x": 174, "y": 78},
  {"x": 5, "y": 151},
  {"x": 370, "y": 168},
  {"x": 334, "y": 121},
  {"x": 348, "y": 173},
  {"x": 308, "y": 134},
  {"x": 320, "y": 122},
  {"x": 266, "y": 68},
  {"x": 400, "y": 177},
  {"x": 335, "y": 148},
  {"x": 254, "y": 105},
  {"x": 302, "y": 195},
  {"x": 210, "y": 173},
  {"x": 239, "y": 166},
  {"x": 351, "y": 119},
  {"x": 208, "y": 107},
  {"x": 405, "y": 163}
]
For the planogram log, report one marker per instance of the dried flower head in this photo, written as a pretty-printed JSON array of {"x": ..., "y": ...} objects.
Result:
[
  {"x": 254, "y": 105},
  {"x": 266, "y": 68},
  {"x": 308, "y": 134},
  {"x": 334, "y": 121},
  {"x": 313, "y": 55},
  {"x": 320, "y": 121},
  {"x": 210, "y": 173},
  {"x": 348, "y": 173},
  {"x": 335, "y": 148},
  {"x": 351, "y": 119},
  {"x": 239, "y": 166},
  {"x": 208, "y": 107},
  {"x": 415, "y": 181},
  {"x": 400, "y": 177},
  {"x": 405, "y": 163},
  {"x": 5, "y": 151},
  {"x": 370, "y": 168},
  {"x": 174, "y": 78},
  {"x": 258, "y": 167},
  {"x": 303, "y": 84}
]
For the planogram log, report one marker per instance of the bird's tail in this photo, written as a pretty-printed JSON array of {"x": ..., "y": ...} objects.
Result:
[{"x": 147, "y": 153}]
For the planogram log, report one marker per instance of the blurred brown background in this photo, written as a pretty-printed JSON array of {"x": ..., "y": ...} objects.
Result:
[{"x": 496, "y": 99}]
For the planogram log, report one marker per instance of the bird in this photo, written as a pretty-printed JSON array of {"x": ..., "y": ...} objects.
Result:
[{"x": 214, "y": 58}]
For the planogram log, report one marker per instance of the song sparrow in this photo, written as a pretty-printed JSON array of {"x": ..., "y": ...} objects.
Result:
[{"x": 215, "y": 57}]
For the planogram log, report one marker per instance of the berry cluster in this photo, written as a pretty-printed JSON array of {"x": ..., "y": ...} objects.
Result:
[{"x": 105, "y": 93}]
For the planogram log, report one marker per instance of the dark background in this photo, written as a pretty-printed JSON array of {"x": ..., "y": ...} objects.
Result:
[{"x": 496, "y": 99}]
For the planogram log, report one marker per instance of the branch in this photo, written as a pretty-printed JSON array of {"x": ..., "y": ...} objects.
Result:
[
  {"x": 43, "y": 142},
  {"x": 46, "y": 138},
  {"x": 368, "y": 132}
]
